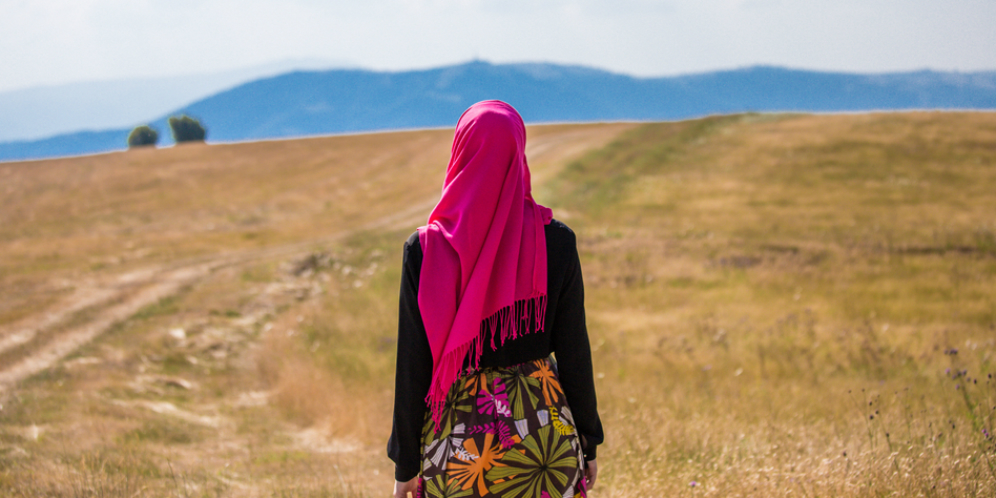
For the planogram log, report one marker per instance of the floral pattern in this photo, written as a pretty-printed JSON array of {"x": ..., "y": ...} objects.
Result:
[
  {"x": 548, "y": 378},
  {"x": 440, "y": 487},
  {"x": 504, "y": 432},
  {"x": 543, "y": 467}
]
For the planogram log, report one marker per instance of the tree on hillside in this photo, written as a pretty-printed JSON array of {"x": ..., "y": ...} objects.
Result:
[
  {"x": 142, "y": 136},
  {"x": 187, "y": 129}
]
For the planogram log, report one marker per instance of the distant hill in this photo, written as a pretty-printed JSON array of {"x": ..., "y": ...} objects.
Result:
[
  {"x": 45, "y": 111},
  {"x": 352, "y": 100}
]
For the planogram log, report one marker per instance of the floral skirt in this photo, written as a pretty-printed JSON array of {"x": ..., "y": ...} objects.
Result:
[{"x": 504, "y": 432}]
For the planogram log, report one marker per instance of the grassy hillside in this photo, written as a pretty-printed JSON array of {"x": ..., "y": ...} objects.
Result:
[
  {"x": 778, "y": 304},
  {"x": 795, "y": 304},
  {"x": 228, "y": 244}
]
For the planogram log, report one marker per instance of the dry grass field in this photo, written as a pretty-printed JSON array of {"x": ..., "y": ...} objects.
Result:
[{"x": 779, "y": 305}]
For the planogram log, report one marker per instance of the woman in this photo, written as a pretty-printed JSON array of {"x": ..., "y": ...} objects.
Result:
[{"x": 491, "y": 286}]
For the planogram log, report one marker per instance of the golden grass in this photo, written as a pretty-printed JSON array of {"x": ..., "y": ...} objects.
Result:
[
  {"x": 760, "y": 287},
  {"x": 778, "y": 305},
  {"x": 212, "y": 391}
]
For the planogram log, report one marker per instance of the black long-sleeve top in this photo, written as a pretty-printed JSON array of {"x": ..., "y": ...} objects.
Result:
[{"x": 565, "y": 335}]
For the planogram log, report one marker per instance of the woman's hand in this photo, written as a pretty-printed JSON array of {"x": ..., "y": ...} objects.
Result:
[
  {"x": 402, "y": 489},
  {"x": 590, "y": 474}
]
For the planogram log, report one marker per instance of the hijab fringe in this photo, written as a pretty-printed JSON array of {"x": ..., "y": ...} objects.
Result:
[{"x": 507, "y": 323}]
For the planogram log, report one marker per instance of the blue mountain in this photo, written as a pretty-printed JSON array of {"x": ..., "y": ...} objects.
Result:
[{"x": 352, "y": 100}]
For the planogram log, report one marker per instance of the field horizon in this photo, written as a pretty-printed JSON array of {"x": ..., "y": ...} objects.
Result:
[
  {"x": 310, "y": 103},
  {"x": 779, "y": 304}
]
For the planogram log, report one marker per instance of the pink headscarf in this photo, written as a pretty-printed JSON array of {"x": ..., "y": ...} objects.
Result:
[{"x": 484, "y": 247}]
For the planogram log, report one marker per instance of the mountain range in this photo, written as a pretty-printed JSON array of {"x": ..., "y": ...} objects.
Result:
[
  {"x": 304, "y": 103},
  {"x": 44, "y": 111}
]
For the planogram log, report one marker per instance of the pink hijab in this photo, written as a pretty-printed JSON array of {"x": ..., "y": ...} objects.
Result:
[{"x": 484, "y": 247}]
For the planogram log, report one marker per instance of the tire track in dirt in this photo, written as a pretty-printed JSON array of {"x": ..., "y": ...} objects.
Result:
[
  {"x": 46, "y": 355},
  {"x": 27, "y": 329}
]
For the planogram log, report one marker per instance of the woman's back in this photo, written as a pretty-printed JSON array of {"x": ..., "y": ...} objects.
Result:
[
  {"x": 491, "y": 286},
  {"x": 564, "y": 335}
]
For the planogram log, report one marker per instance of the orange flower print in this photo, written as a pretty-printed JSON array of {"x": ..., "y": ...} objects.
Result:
[
  {"x": 475, "y": 463},
  {"x": 550, "y": 384}
]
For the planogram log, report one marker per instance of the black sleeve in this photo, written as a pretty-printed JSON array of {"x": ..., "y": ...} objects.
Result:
[
  {"x": 414, "y": 371},
  {"x": 570, "y": 340}
]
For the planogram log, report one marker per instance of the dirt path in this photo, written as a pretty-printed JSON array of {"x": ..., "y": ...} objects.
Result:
[
  {"x": 131, "y": 297},
  {"x": 120, "y": 296}
]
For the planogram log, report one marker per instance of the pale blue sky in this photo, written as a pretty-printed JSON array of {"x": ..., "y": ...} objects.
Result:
[{"x": 46, "y": 42}]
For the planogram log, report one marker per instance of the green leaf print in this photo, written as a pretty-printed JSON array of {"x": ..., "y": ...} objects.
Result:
[
  {"x": 543, "y": 467},
  {"x": 441, "y": 487},
  {"x": 520, "y": 388},
  {"x": 462, "y": 401}
]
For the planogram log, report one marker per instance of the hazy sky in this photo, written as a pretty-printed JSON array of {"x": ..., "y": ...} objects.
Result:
[{"x": 61, "y": 41}]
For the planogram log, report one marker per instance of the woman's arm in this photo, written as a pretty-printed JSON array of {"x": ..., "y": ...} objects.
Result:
[
  {"x": 570, "y": 342},
  {"x": 414, "y": 371}
]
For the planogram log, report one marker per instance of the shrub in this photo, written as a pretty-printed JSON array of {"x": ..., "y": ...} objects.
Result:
[
  {"x": 142, "y": 136},
  {"x": 187, "y": 129}
]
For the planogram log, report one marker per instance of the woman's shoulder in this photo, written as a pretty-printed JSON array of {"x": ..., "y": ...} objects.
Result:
[
  {"x": 559, "y": 235},
  {"x": 412, "y": 253},
  {"x": 412, "y": 240}
]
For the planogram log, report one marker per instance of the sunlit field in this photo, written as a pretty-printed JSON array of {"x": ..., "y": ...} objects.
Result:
[{"x": 779, "y": 305}]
